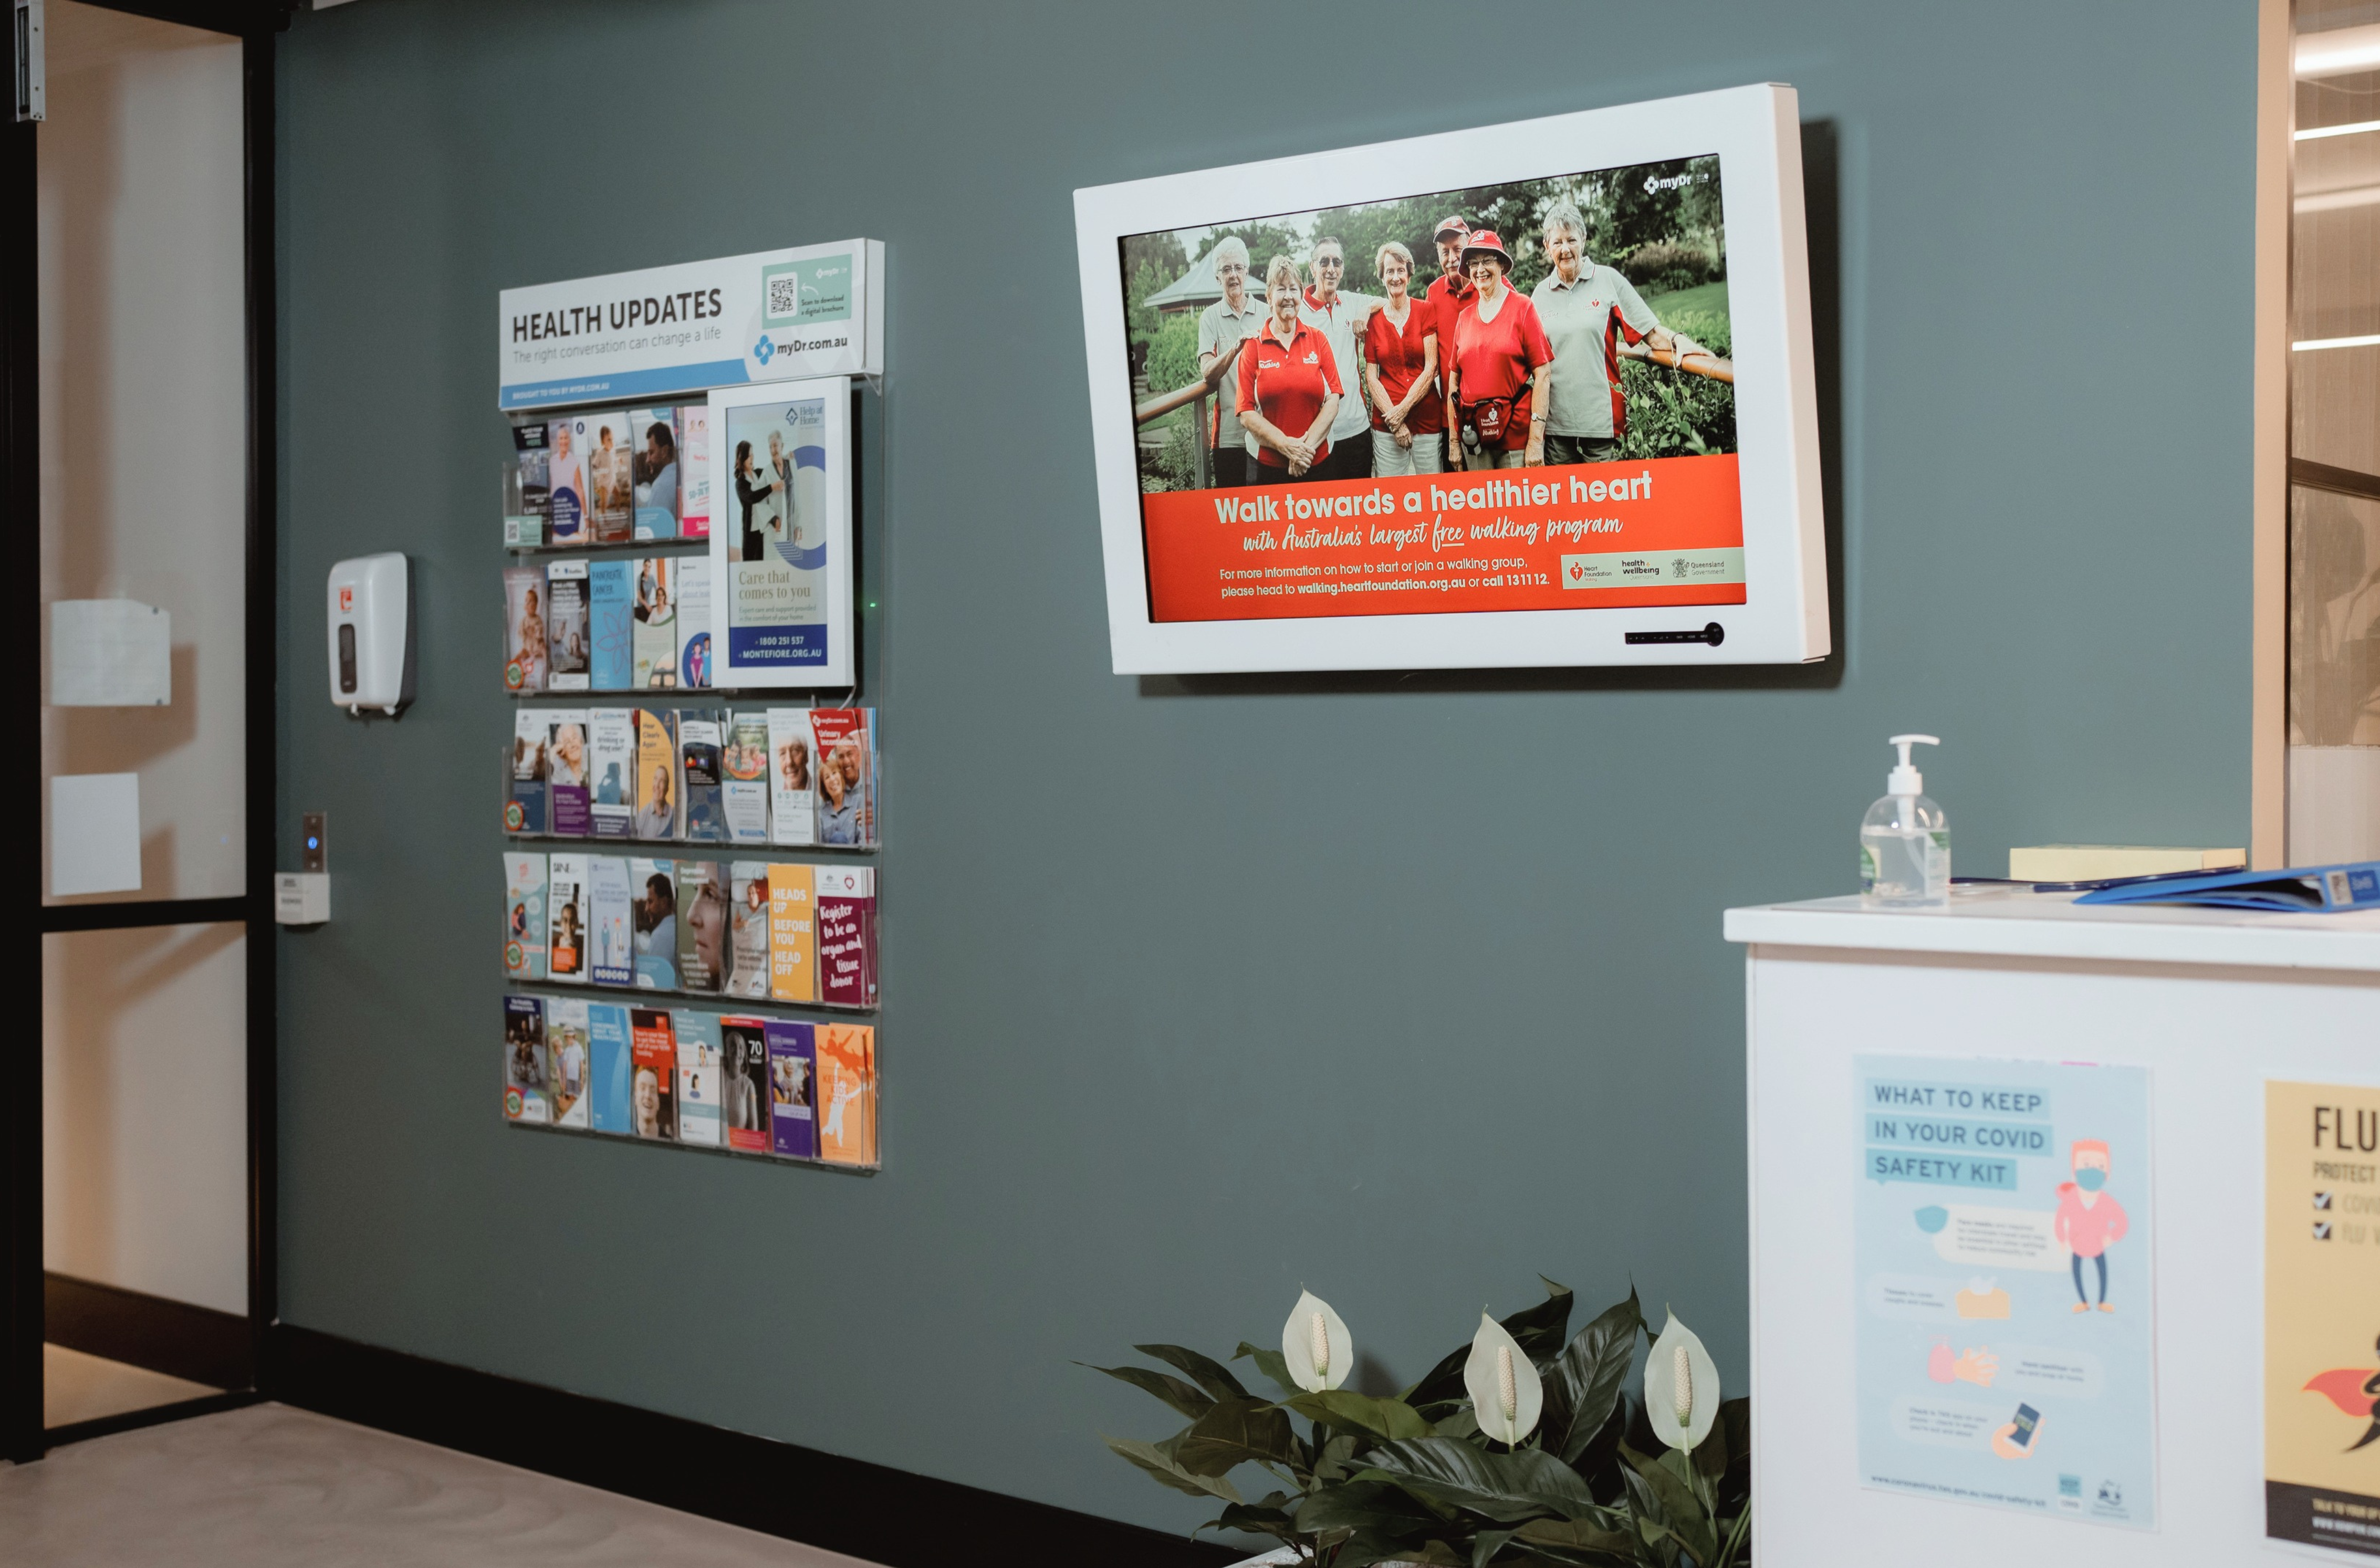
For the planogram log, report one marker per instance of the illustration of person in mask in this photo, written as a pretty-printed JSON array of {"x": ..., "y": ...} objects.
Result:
[{"x": 2089, "y": 1219}]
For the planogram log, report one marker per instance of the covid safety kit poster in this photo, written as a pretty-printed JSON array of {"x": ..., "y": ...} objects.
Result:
[{"x": 2006, "y": 1302}]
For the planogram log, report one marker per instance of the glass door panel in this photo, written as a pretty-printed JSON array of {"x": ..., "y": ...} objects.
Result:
[
  {"x": 2334, "y": 791},
  {"x": 144, "y": 483}
]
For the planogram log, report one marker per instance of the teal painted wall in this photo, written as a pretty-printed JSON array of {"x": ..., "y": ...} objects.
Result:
[{"x": 1402, "y": 989}]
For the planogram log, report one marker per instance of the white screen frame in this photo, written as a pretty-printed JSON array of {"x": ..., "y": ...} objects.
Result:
[
  {"x": 726, "y": 533},
  {"x": 1754, "y": 131}
]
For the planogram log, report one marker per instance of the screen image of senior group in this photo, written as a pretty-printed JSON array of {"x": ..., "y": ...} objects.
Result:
[{"x": 1515, "y": 396}]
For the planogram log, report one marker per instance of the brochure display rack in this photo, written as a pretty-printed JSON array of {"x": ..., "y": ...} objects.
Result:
[{"x": 690, "y": 899}]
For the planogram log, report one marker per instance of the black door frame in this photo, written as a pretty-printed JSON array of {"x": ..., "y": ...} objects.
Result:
[{"x": 22, "y": 1436}]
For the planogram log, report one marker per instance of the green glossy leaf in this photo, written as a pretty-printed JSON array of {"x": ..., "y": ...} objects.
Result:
[
  {"x": 1171, "y": 1390},
  {"x": 1710, "y": 1456},
  {"x": 1680, "y": 1463},
  {"x": 1366, "y": 1549},
  {"x": 1503, "y": 1486},
  {"x": 1204, "y": 1370},
  {"x": 1363, "y": 1505},
  {"x": 1347, "y": 1410},
  {"x": 1271, "y": 1363},
  {"x": 1234, "y": 1433},
  {"x": 1541, "y": 1328},
  {"x": 1644, "y": 1506},
  {"x": 1584, "y": 1540},
  {"x": 1738, "y": 1531},
  {"x": 1538, "y": 1330},
  {"x": 1266, "y": 1518},
  {"x": 1330, "y": 1461},
  {"x": 1445, "y": 1511},
  {"x": 1735, "y": 1426},
  {"x": 1678, "y": 1510},
  {"x": 1486, "y": 1544},
  {"x": 1584, "y": 1380},
  {"x": 1163, "y": 1466},
  {"x": 1600, "y": 1461},
  {"x": 1443, "y": 1383}
]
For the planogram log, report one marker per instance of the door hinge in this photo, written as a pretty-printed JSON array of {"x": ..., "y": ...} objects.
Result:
[{"x": 29, "y": 51}]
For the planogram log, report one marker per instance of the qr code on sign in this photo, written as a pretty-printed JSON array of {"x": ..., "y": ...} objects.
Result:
[{"x": 785, "y": 295}]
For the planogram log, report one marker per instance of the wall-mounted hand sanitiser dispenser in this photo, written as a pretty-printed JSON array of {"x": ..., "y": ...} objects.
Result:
[{"x": 371, "y": 633}]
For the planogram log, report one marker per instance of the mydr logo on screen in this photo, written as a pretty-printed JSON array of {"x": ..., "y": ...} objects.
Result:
[{"x": 766, "y": 349}]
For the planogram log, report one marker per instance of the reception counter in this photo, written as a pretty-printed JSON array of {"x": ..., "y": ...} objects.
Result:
[{"x": 2009, "y": 1206}]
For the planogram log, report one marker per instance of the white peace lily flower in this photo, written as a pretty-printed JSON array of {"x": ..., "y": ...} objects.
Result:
[
  {"x": 1505, "y": 1393},
  {"x": 1681, "y": 1386},
  {"x": 1315, "y": 1345}
]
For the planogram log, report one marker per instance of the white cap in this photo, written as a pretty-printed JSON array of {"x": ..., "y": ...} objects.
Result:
[{"x": 1906, "y": 780}]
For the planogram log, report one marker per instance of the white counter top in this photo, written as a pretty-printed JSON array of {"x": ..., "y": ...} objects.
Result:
[{"x": 2031, "y": 925}]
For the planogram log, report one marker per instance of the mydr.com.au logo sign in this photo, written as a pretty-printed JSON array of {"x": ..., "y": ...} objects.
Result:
[{"x": 806, "y": 293}]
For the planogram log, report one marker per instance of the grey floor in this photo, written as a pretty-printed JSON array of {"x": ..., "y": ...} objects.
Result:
[{"x": 270, "y": 1487}]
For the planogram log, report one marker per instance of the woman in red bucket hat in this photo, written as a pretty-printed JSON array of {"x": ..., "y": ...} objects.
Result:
[{"x": 1498, "y": 357}]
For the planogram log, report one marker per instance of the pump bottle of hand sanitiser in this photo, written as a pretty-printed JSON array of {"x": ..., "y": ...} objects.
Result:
[{"x": 1905, "y": 841}]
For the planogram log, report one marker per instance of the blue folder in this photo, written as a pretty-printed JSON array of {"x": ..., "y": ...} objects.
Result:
[{"x": 2355, "y": 886}]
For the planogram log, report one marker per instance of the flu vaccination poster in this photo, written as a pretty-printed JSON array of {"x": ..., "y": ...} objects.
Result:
[
  {"x": 2322, "y": 1316},
  {"x": 2006, "y": 1331}
]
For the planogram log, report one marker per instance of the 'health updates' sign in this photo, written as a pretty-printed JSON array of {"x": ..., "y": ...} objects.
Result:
[{"x": 774, "y": 315}]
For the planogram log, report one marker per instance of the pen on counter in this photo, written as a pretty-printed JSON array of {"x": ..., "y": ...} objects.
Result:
[{"x": 2092, "y": 886}]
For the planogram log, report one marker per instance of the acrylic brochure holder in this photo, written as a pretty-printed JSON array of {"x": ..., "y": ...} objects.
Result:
[{"x": 690, "y": 789}]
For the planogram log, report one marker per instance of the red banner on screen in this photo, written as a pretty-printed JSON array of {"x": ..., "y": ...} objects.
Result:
[{"x": 1665, "y": 530}]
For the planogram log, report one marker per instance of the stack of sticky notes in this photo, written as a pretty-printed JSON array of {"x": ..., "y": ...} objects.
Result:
[{"x": 2096, "y": 862}]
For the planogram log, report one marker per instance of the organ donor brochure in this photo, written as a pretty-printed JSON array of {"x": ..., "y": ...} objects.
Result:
[
  {"x": 2322, "y": 1316},
  {"x": 1662, "y": 530},
  {"x": 2007, "y": 1320}
]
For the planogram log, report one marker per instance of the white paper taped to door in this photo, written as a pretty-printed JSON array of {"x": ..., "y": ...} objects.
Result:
[{"x": 110, "y": 653}]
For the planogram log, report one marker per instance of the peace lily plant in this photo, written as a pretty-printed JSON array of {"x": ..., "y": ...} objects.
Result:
[{"x": 1522, "y": 1449}]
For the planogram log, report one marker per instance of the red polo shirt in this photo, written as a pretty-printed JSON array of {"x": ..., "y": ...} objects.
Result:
[
  {"x": 1399, "y": 354},
  {"x": 1287, "y": 384},
  {"x": 1447, "y": 296},
  {"x": 1494, "y": 359}
]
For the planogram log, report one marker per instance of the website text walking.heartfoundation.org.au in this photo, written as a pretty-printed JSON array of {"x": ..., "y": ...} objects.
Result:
[{"x": 1667, "y": 530}]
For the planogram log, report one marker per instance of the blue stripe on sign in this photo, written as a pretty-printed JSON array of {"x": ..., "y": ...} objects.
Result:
[
  {"x": 628, "y": 384},
  {"x": 776, "y": 645},
  {"x": 811, "y": 560},
  {"x": 809, "y": 458}
]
